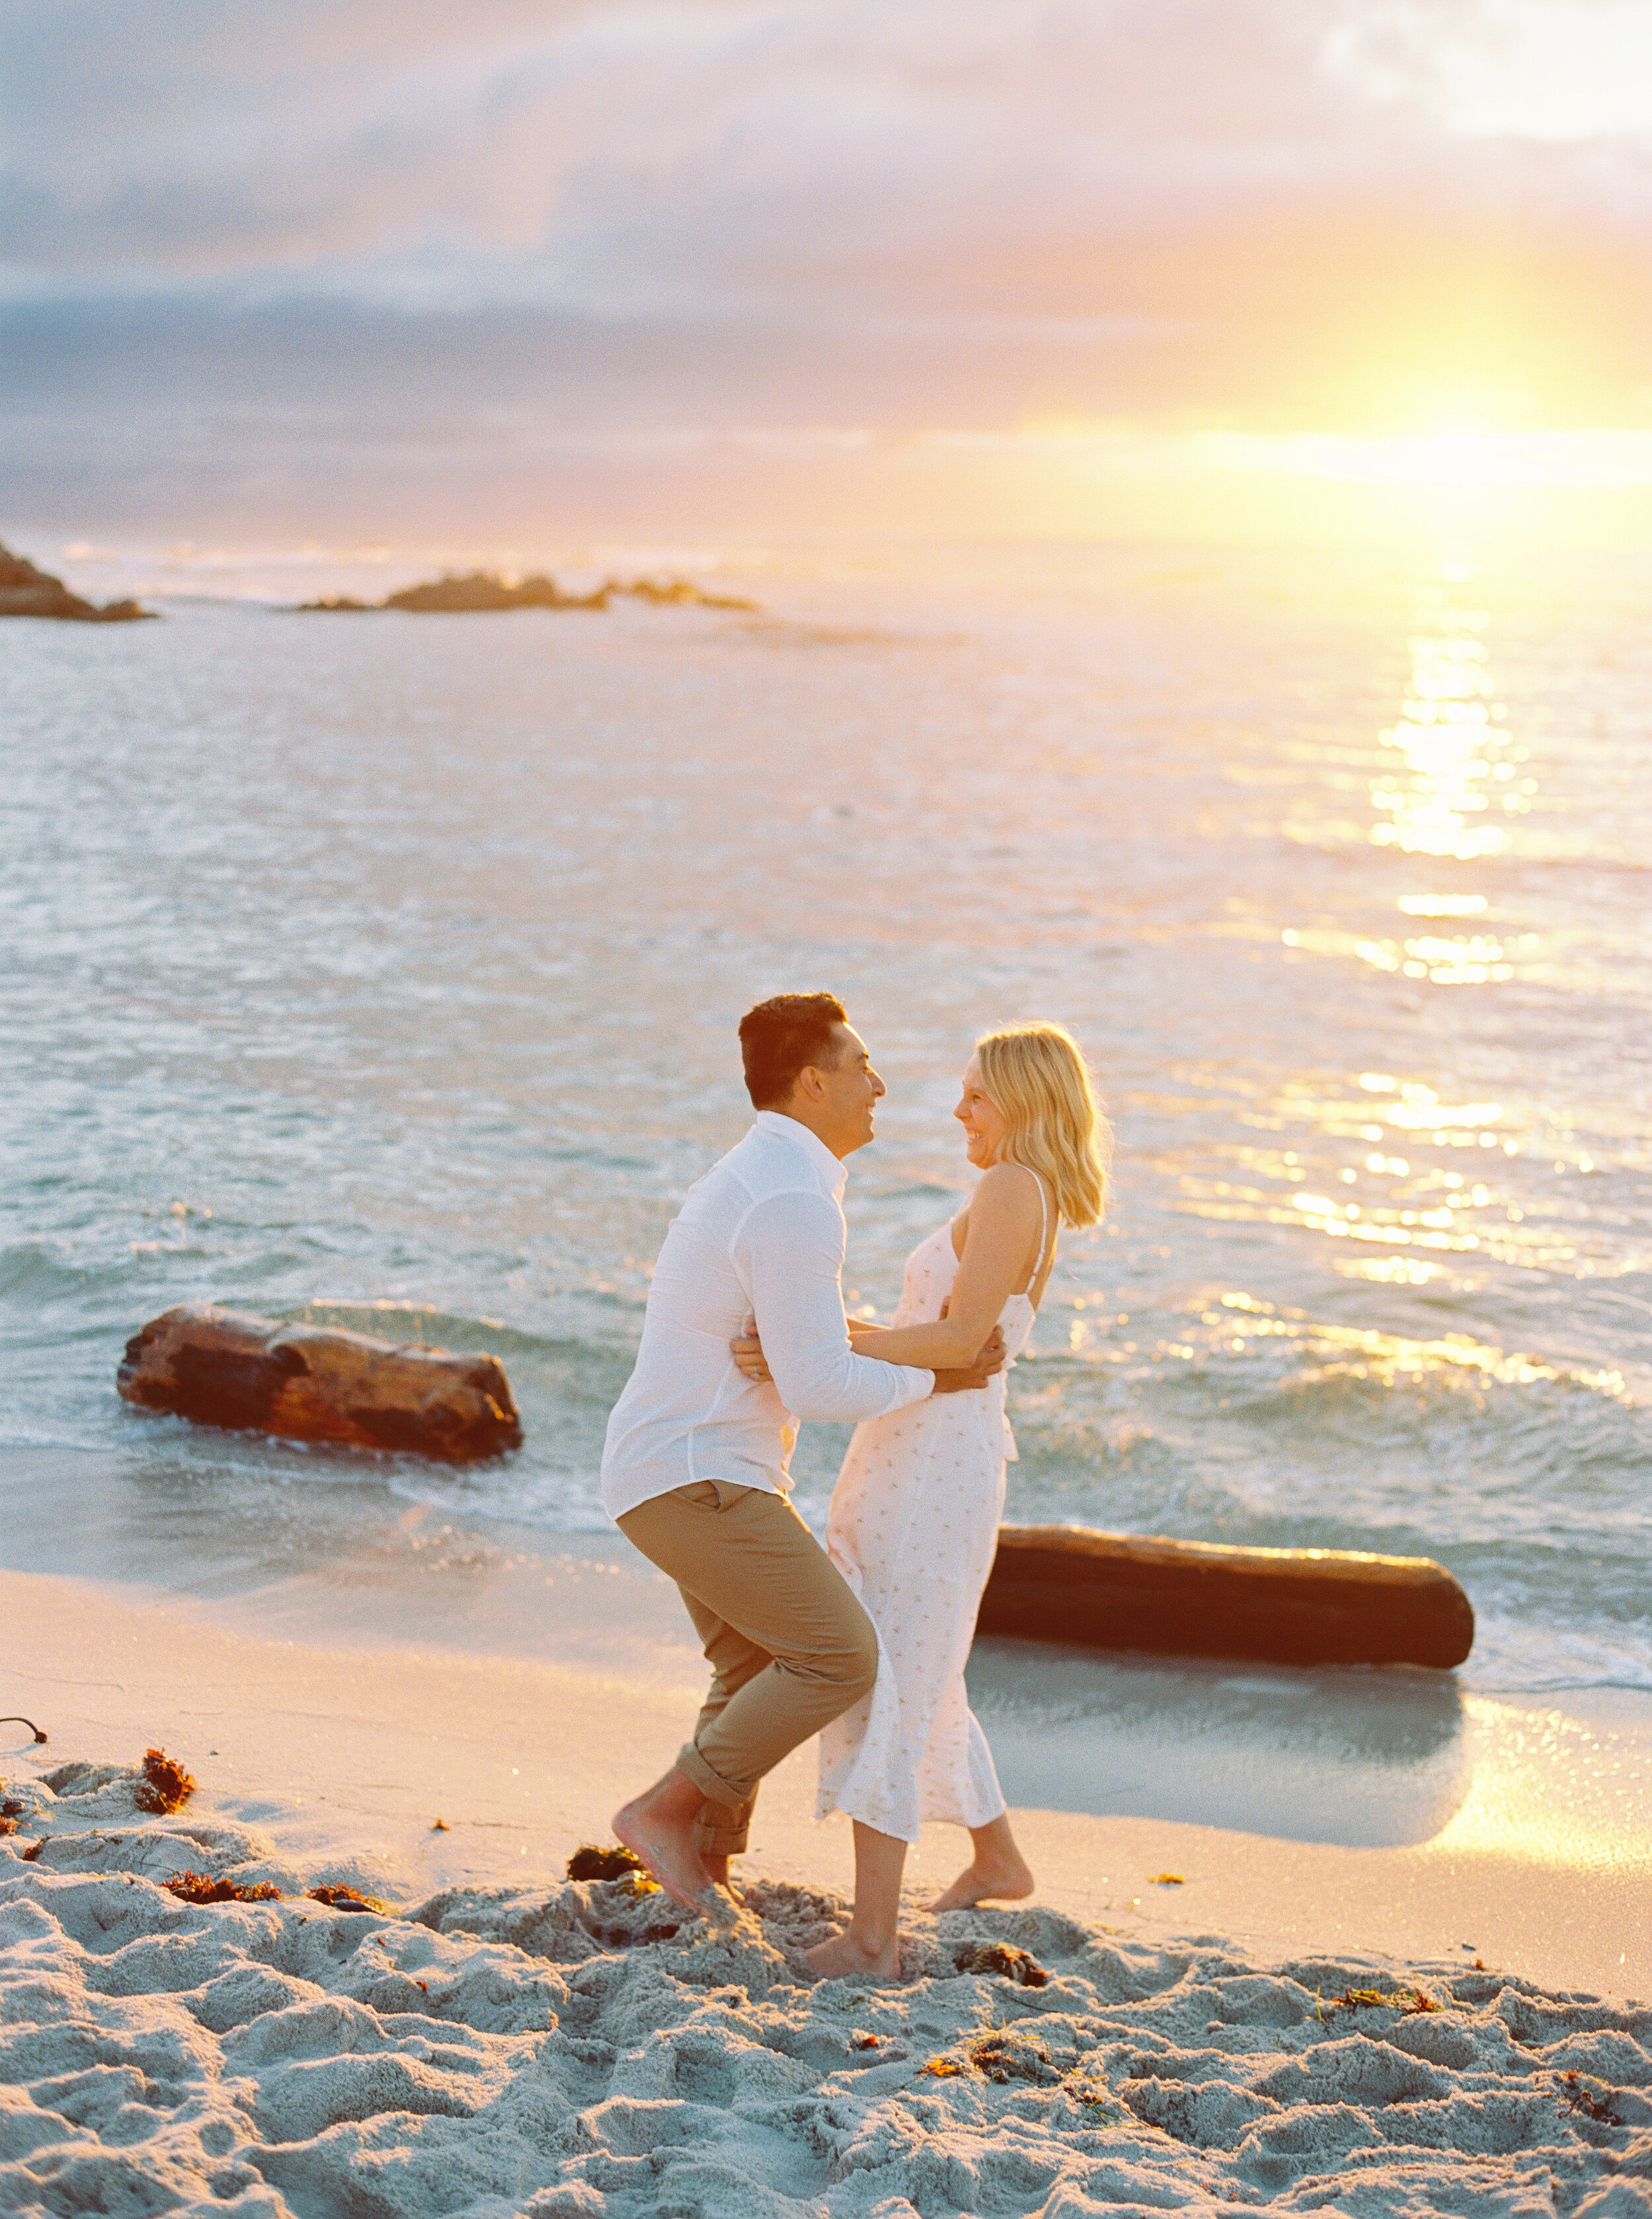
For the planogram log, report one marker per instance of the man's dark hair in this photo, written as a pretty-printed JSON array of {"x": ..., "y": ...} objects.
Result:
[{"x": 782, "y": 1035}]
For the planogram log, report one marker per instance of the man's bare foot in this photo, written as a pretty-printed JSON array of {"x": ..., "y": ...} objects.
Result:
[
  {"x": 658, "y": 1826},
  {"x": 720, "y": 1904},
  {"x": 844, "y": 1958},
  {"x": 718, "y": 1866},
  {"x": 1003, "y": 1880}
]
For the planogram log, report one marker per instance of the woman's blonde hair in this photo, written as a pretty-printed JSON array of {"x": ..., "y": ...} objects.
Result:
[{"x": 1037, "y": 1077}]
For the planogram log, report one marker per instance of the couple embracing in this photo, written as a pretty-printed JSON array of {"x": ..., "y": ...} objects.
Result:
[{"x": 863, "y": 1642}]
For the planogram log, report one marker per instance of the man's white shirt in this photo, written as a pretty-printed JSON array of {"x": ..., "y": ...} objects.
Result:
[{"x": 761, "y": 1236}]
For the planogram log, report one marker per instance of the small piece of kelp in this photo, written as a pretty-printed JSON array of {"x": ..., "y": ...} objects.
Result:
[
  {"x": 1409, "y": 2001},
  {"x": 1592, "y": 2098},
  {"x": 345, "y": 1899},
  {"x": 1004, "y": 1959},
  {"x": 1003, "y": 2055},
  {"x": 201, "y": 1887},
  {"x": 592, "y": 1862},
  {"x": 164, "y": 1787}
]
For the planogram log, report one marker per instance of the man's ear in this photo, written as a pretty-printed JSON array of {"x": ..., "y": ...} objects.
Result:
[{"x": 810, "y": 1084}]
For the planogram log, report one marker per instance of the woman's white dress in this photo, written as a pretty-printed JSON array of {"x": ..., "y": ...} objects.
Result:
[{"x": 913, "y": 1528}]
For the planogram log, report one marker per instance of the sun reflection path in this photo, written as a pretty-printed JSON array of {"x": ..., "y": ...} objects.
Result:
[
  {"x": 1451, "y": 780},
  {"x": 1388, "y": 1165},
  {"x": 1455, "y": 770}
]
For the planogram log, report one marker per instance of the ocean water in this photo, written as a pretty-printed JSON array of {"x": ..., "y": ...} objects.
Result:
[{"x": 384, "y": 970}]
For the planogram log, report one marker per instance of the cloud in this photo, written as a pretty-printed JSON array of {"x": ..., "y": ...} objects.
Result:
[
  {"x": 644, "y": 149},
  {"x": 421, "y": 220}
]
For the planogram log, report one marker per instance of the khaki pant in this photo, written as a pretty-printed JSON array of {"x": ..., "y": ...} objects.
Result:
[{"x": 789, "y": 1646}]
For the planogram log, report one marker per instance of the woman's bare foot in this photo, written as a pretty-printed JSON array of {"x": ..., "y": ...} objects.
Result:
[
  {"x": 999, "y": 1879},
  {"x": 658, "y": 1826},
  {"x": 844, "y": 1958}
]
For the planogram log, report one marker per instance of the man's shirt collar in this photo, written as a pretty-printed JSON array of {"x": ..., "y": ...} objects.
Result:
[{"x": 834, "y": 1172}]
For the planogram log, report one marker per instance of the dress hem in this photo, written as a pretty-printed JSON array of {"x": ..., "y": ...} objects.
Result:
[{"x": 833, "y": 1809}]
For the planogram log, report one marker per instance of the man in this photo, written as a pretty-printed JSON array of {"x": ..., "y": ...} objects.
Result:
[{"x": 694, "y": 1468}]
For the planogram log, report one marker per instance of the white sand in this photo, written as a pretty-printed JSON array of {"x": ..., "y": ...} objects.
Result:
[{"x": 509, "y": 2044}]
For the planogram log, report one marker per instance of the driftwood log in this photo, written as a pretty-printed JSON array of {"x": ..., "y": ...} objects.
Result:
[
  {"x": 1198, "y": 1599},
  {"x": 223, "y": 1368}
]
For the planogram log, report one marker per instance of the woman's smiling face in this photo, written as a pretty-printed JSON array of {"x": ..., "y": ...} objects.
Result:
[{"x": 981, "y": 1118}]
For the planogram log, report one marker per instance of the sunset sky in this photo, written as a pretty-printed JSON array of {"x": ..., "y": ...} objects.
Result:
[{"x": 497, "y": 273}]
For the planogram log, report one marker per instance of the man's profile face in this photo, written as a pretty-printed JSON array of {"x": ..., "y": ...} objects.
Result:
[{"x": 852, "y": 1091}]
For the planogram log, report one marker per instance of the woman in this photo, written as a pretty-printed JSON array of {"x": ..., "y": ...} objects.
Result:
[{"x": 914, "y": 1520}]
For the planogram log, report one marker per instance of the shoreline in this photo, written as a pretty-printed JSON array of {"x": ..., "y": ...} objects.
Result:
[{"x": 343, "y": 1747}]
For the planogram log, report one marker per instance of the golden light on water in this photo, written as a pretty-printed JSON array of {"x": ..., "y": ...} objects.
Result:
[
  {"x": 1455, "y": 766},
  {"x": 1394, "y": 1166},
  {"x": 1469, "y": 962},
  {"x": 1474, "y": 960},
  {"x": 1391, "y": 1271},
  {"x": 1548, "y": 1789},
  {"x": 1239, "y": 1323}
]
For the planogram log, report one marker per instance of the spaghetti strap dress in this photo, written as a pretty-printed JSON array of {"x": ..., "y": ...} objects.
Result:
[{"x": 913, "y": 1528}]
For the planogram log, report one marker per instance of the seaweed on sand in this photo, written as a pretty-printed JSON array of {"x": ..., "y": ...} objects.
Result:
[
  {"x": 1003, "y": 2055},
  {"x": 201, "y": 1887},
  {"x": 1592, "y": 2098},
  {"x": 592, "y": 1862},
  {"x": 164, "y": 1786},
  {"x": 1003, "y": 1959},
  {"x": 1000, "y": 2054},
  {"x": 347, "y": 1898},
  {"x": 1407, "y": 2001}
]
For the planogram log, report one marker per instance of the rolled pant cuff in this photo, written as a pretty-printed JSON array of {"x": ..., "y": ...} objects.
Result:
[
  {"x": 711, "y": 1785},
  {"x": 712, "y": 1840}
]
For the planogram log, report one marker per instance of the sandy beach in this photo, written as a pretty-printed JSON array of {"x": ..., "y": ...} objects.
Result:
[{"x": 498, "y": 2039}]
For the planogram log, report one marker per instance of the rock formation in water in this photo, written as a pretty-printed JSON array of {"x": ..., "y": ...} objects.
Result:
[
  {"x": 27, "y": 592},
  {"x": 677, "y": 592},
  {"x": 485, "y": 590}
]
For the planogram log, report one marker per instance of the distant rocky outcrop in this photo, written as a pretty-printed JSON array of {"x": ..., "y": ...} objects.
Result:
[
  {"x": 677, "y": 592},
  {"x": 27, "y": 592},
  {"x": 485, "y": 590}
]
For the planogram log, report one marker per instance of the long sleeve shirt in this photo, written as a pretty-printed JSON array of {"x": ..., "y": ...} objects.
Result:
[{"x": 759, "y": 1238}]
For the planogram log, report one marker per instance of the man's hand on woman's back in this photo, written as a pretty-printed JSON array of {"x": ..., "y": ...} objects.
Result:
[
  {"x": 990, "y": 1360},
  {"x": 988, "y": 1363}
]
